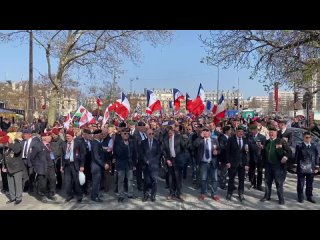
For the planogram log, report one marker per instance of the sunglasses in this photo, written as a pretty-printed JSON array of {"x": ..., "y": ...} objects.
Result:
[
  {"x": 126, "y": 133},
  {"x": 151, "y": 134},
  {"x": 307, "y": 137},
  {"x": 189, "y": 129}
]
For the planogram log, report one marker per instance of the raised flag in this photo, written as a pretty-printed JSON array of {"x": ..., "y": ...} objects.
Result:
[
  {"x": 170, "y": 104},
  {"x": 80, "y": 111},
  {"x": 123, "y": 109},
  {"x": 221, "y": 110},
  {"x": 99, "y": 102},
  {"x": 67, "y": 121},
  {"x": 198, "y": 104},
  {"x": 208, "y": 105},
  {"x": 153, "y": 103},
  {"x": 86, "y": 118},
  {"x": 188, "y": 103},
  {"x": 177, "y": 97},
  {"x": 106, "y": 115}
]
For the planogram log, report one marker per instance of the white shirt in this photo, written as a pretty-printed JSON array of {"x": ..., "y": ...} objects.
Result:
[
  {"x": 226, "y": 136},
  {"x": 283, "y": 130},
  {"x": 241, "y": 142},
  {"x": 204, "y": 159},
  {"x": 132, "y": 131},
  {"x": 142, "y": 135},
  {"x": 26, "y": 145},
  {"x": 307, "y": 144},
  {"x": 171, "y": 146},
  {"x": 89, "y": 144},
  {"x": 69, "y": 152}
]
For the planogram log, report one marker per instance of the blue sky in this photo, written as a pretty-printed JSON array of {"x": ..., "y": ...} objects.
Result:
[{"x": 166, "y": 66}]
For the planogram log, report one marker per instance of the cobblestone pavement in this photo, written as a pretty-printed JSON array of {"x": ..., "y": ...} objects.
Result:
[{"x": 190, "y": 194}]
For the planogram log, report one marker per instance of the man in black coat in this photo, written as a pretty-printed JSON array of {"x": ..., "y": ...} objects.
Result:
[
  {"x": 126, "y": 160},
  {"x": 14, "y": 166},
  {"x": 57, "y": 148},
  {"x": 150, "y": 153},
  {"x": 47, "y": 182},
  {"x": 307, "y": 164},
  {"x": 275, "y": 157},
  {"x": 256, "y": 143},
  {"x": 98, "y": 165},
  {"x": 73, "y": 162},
  {"x": 237, "y": 152},
  {"x": 284, "y": 132},
  {"x": 223, "y": 140},
  {"x": 174, "y": 146},
  {"x": 86, "y": 141}
]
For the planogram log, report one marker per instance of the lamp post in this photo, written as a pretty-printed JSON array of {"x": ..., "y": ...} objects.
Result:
[{"x": 31, "y": 106}]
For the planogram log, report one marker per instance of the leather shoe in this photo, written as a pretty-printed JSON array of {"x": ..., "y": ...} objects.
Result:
[
  {"x": 17, "y": 202},
  {"x": 300, "y": 200},
  {"x": 132, "y": 197},
  {"x": 241, "y": 197},
  {"x": 120, "y": 199},
  {"x": 53, "y": 198},
  {"x": 216, "y": 198},
  {"x": 145, "y": 198},
  {"x": 265, "y": 199},
  {"x": 68, "y": 199},
  {"x": 260, "y": 189},
  {"x": 202, "y": 197},
  {"x": 97, "y": 199},
  {"x": 10, "y": 201},
  {"x": 180, "y": 199},
  {"x": 153, "y": 199},
  {"x": 281, "y": 202},
  {"x": 228, "y": 197},
  {"x": 311, "y": 199},
  {"x": 79, "y": 200},
  {"x": 44, "y": 199}
]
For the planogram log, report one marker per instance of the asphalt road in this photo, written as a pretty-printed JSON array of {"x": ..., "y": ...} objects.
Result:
[{"x": 190, "y": 194}]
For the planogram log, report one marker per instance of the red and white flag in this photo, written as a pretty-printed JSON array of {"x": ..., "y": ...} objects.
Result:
[
  {"x": 177, "y": 97},
  {"x": 106, "y": 115},
  {"x": 67, "y": 121},
  {"x": 123, "y": 109},
  {"x": 188, "y": 103},
  {"x": 86, "y": 118},
  {"x": 153, "y": 103},
  {"x": 219, "y": 110}
]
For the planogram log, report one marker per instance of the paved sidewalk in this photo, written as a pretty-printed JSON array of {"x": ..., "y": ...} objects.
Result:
[{"x": 190, "y": 195}]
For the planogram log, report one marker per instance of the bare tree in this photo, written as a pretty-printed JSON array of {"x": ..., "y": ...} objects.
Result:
[
  {"x": 87, "y": 50},
  {"x": 289, "y": 57}
]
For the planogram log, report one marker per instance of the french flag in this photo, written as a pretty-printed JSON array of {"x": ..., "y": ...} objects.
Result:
[
  {"x": 208, "y": 105},
  {"x": 153, "y": 103},
  {"x": 99, "y": 102},
  {"x": 177, "y": 97},
  {"x": 198, "y": 104},
  {"x": 219, "y": 110},
  {"x": 123, "y": 109},
  {"x": 106, "y": 115},
  {"x": 170, "y": 105},
  {"x": 188, "y": 103}
]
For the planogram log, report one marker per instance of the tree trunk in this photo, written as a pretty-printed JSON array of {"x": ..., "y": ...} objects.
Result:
[{"x": 52, "y": 113}]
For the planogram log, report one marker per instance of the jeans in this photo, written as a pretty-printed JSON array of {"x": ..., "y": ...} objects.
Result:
[
  {"x": 121, "y": 175},
  {"x": 207, "y": 170}
]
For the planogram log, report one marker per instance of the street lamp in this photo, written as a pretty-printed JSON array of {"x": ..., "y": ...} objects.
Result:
[{"x": 131, "y": 86}]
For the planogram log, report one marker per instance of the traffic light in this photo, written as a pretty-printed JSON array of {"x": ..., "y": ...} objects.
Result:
[{"x": 236, "y": 101}]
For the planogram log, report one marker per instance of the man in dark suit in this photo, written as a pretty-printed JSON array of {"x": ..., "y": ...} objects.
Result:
[
  {"x": 139, "y": 135},
  {"x": 307, "y": 164},
  {"x": 57, "y": 149},
  {"x": 73, "y": 162},
  {"x": 256, "y": 143},
  {"x": 98, "y": 165},
  {"x": 48, "y": 182},
  {"x": 208, "y": 150},
  {"x": 126, "y": 160},
  {"x": 284, "y": 133},
  {"x": 237, "y": 153},
  {"x": 275, "y": 157},
  {"x": 86, "y": 141},
  {"x": 150, "y": 153},
  {"x": 223, "y": 140},
  {"x": 173, "y": 147}
]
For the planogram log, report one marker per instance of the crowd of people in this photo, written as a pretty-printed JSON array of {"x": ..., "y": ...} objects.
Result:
[{"x": 42, "y": 159}]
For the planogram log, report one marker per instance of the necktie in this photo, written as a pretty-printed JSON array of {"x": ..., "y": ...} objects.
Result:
[
  {"x": 150, "y": 144},
  {"x": 207, "y": 154},
  {"x": 48, "y": 146},
  {"x": 309, "y": 146},
  {"x": 25, "y": 152},
  {"x": 239, "y": 139}
]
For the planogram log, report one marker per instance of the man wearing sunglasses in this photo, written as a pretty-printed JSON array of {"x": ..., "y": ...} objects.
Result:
[
  {"x": 126, "y": 161},
  {"x": 150, "y": 153},
  {"x": 307, "y": 164}
]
